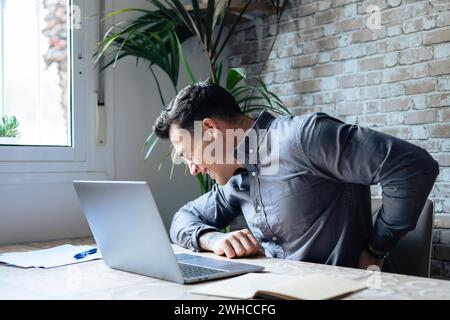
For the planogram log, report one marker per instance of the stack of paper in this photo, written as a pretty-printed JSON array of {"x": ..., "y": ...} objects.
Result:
[{"x": 49, "y": 258}]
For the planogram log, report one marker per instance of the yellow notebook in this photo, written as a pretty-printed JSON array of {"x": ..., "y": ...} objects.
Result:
[{"x": 276, "y": 286}]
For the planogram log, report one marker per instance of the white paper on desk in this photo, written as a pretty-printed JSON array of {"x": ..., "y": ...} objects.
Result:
[{"x": 48, "y": 258}]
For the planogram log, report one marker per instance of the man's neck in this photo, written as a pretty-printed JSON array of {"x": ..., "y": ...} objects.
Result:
[{"x": 244, "y": 123}]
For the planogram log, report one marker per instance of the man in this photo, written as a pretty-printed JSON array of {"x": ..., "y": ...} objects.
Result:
[{"x": 316, "y": 205}]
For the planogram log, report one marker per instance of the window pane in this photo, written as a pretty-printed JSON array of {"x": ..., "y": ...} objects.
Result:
[{"x": 34, "y": 72}]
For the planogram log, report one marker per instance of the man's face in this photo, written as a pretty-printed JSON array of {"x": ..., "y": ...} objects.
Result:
[{"x": 206, "y": 152}]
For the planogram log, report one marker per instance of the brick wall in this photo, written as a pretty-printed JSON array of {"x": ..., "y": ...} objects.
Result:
[{"x": 395, "y": 78}]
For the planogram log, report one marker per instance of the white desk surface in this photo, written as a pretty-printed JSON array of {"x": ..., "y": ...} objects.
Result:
[{"x": 94, "y": 280}]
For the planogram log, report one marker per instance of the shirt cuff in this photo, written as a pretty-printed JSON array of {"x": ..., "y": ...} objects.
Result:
[{"x": 195, "y": 245}]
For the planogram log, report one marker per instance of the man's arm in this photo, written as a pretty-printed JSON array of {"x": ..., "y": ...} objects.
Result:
[
  {"x": 209, "y": 212},
  {"x": 197, "y": 226},
  {"x": 349, "y": 153}
]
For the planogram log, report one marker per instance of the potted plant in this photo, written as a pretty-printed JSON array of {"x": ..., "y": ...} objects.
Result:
[
  {"x": 9, "y": 133},
  {"x": 156, "y": 36}
]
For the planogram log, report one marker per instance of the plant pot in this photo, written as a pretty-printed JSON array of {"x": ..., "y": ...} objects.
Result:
[{"x": 9, "y": 140}]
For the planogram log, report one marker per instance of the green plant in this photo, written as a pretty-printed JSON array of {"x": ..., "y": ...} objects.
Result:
[
  {"x": 156, "y": 36},
  {"x": 8, "y": 127}
]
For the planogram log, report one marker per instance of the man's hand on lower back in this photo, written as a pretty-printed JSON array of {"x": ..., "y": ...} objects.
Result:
[{"x": 236, "y": 244}]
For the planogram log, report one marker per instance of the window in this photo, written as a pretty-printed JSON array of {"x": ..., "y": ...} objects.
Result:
[
  {"x": 34, "y": 74},
  {"x": 48, "y": 84}
]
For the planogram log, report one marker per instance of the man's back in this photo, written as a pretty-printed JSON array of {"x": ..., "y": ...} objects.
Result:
[{"x": 305, "y": 190}]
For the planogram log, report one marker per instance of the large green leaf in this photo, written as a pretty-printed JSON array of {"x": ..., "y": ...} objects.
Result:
[
  {"x": 235, "y": 75},
  {"x": 256, "y": 97},
  {"x": 185, "y": 63},
  {"x": 218, "y": 72},
  {"x": 201, "y": 181}
]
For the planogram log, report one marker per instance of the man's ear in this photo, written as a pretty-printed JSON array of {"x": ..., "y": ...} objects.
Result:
[
  {"x": 210, "y": 123},
  {"x": 211, "y": 128}
]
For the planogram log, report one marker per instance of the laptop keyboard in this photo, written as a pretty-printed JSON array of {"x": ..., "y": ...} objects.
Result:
[{"x": 191, "y": 271}]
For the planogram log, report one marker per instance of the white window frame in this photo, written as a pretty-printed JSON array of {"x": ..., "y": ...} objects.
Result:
[
  {"x": 84, "y": 158},
  {"x": 2, "y": 54}
]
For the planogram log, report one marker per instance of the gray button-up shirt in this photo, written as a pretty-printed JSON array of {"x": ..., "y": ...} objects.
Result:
[{"x": 316, "y": 207}]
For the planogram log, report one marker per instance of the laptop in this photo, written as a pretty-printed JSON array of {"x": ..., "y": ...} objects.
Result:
[{"x": 130, "y": 235}]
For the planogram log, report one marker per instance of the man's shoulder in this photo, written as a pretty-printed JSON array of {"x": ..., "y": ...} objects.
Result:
[
  {"x": 296, "y": 124},
  {"x": 300, "y": 119}
]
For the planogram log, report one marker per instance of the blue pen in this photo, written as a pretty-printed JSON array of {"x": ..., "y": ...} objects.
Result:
[{"x": 85, "y": 254}]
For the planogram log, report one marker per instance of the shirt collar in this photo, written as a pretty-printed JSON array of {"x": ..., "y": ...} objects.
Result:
[{"x": 263, "y": 121}]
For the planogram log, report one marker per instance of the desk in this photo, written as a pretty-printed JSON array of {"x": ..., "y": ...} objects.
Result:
[{"x": 94, "y": 280}]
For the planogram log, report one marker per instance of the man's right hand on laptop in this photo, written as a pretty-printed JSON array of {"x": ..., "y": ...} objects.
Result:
[{"x": 236, "y": 244}]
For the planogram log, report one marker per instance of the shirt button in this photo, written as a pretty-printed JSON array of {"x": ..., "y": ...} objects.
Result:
[
  {"x": 258, "y": 208},
  {"x": 254, "y": 174},
  {"x": 251, "y": 151},
  {"x": 274, "y": 238}
]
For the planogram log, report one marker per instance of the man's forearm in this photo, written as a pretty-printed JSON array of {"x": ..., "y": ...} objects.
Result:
[
  {"x": 404, "y": 196},
  {"x": 185, "y": 229},
  {"x": 210, "y": 212}
]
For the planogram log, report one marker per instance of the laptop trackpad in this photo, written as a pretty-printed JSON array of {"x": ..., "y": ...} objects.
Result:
[{"x": 215, "y": 263}]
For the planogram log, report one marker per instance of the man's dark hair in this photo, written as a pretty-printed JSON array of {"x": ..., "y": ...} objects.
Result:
[{"x": 194, "y": 103}]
